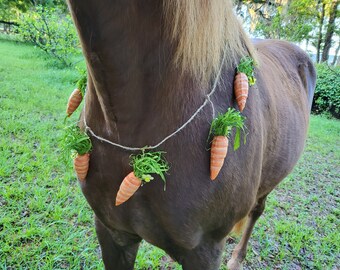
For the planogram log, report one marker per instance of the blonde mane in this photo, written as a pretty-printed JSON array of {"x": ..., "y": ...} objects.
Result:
[{"x": 201, "y": 30}]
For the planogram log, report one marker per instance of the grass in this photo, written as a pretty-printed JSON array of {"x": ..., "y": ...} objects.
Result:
[{"x": 45, "y": 222}]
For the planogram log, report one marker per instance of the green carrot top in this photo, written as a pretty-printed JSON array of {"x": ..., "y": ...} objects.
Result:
[
  {"x": 75, "y": 141},
  {"x": 222, "y": 125},
  {"x": 148, "y": 163},
  {"x": 247, "y": 66},
  {"x": 81, "y": 83}
]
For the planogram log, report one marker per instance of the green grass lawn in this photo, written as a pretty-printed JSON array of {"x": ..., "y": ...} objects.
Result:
[{"x": 45, "y": 222}]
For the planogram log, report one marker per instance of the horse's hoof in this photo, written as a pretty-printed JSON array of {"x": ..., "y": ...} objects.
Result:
[{"x": 234, "y": 264}]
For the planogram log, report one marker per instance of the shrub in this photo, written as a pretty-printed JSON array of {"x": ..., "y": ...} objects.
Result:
[
  {"x": 52, "y": 31},
  {"x": 327, "y": 92}
]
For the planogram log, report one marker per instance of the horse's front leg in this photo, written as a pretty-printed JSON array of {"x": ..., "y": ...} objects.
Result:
[{"x": 119, "y": 249}]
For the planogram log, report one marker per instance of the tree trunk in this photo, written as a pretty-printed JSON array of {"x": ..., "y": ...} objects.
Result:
[
  {"x": 336, "y": 54},
  {"x": 330, "y": 30},
  {"x": 318, "y": 48}
]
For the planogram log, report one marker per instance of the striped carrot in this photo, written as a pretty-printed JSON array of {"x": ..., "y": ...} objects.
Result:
[
  {"x": 127, "y": 188},
  {"x": 219, "y": 149},
  {"x": 244, "y": 78},
  {"x": 77, "y": 144},
  {"x": 221, "y": 128},
  {"x": 241, "y": 88},
  {"x": 81, "y": 165},
  {"x": 144, "y": 166},
  {"x": 74, "y": 101}
]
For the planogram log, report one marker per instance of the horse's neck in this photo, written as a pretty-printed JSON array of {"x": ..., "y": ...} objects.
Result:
[{"x": 131, "y": 78}]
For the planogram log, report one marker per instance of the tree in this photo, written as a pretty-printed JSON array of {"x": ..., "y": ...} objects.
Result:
[
  {"x": 336, "y": 54},
  {"x": 321, "y": 21},
  {"x": 10, "y": 10},
  {"x": 313, "y": 21},
  {"x": 52, "y": 31},
  {"x": 330, "y": 30},
  {"x": 282, "y": 19}
]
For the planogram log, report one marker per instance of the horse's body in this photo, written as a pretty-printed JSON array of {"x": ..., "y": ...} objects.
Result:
[{"x": 137, "y": 95}]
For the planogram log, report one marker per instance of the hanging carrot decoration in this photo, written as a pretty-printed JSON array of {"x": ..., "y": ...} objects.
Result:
[
  {"x": 244, "y": 78},
  {"x": 81, "y": 165},
  {"x": 77, "y": 144},
  {"x": 73, "y": 101},
  {"x": 144, "y": 165},
  {"x": 221, "y": 128},
  {"x": 218, "y": 152},
  {"x": 241, "y": 88},
  {"x": 77, "y": 95},
  {"x": 127, "y": 188}
]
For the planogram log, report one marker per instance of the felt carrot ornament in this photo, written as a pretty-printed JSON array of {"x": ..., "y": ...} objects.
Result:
[
  {"x": 244, "y": 78},
  {"x": 77, "y": 144},
  {"x": 81, "y": 165},
  {"x": 221, "y": 128},
  {"x": 73, "y": 101},
  {"x": 144, "y": 165},
  {"x": 77, "y": 95}
]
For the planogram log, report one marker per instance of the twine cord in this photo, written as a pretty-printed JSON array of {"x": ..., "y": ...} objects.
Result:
[{"x": 206, "y": 101}]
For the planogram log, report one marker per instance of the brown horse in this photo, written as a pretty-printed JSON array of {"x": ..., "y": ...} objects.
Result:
[{"x": 150, "y": 66}]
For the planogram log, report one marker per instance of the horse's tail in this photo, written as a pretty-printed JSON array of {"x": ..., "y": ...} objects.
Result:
[
  {"x": 308, "y": 76},
  {"x": 239, "y": 226}
]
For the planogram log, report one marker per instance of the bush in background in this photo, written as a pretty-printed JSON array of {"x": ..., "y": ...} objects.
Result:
[
  {"x": 327, "y": 91},
  {"x": 52, "y": 31}
]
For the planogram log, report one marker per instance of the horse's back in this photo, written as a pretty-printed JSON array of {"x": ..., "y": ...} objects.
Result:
[{"x": 286, "y": 82}]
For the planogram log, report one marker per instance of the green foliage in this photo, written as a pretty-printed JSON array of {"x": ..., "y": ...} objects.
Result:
[
  {"x": 246, "y": 66},
  {"x": 327, "y": 91},
  {"x": 295, "y": 20},
  {"x": 82, "y": 82},
  {"x": 11, "y": 10},
  {"x": 224, "y": 123},
  {"x": 292, "y": 21},
  {"x": 148, "y": 163},
  {"x": 52, "y": 31},
  {"x": 151, "y": 257},
  {"x": 51, "y": 3},
  {"x": 75, "y": 141}
]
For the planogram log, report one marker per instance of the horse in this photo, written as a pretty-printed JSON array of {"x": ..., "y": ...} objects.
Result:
[{"x": 151, "y": 65}]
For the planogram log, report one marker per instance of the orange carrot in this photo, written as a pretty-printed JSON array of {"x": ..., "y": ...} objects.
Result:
[
  {"x": 219, "y": 149},
  {"x": 127, "y": 188},
  {"x": 241, "y": 87},
  {"x": 81, "y": 165},
  {"x": 74, "y": 101}
]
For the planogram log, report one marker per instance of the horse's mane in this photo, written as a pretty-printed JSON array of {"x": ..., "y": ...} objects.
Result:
[{"x": 201, "y": 30}]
